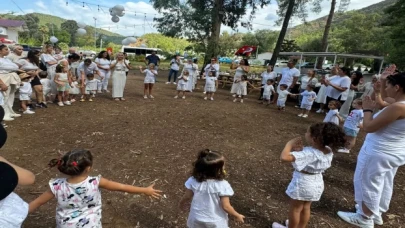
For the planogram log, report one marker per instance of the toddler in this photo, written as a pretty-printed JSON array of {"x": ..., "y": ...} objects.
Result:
[
  {"x": 242, "y": 88},
  {"x": 78, "y": 196},
  {"x": 352, "y": 125},
  {"x": 309, "y": 163},
  {"x": 182, "y": 84},
  {"x": 308, "y": 98},
  {"x": 62, "y": 82},
  {"x": 91, "y": 88},
  {"x": 74, "y": 89},
  {"x": 25, "y": 93},
  {"x": 268, "y": 91},
  {"x": 208, "y": 193},
  {"x": 211, "y": 85},
  {"x": 333, "y": 115},
  {"x": 58, "y": 54},
  {"x": 46, "y": 86},
  {"x": 282, "y": 97},
  {"x": 150, "y": 79}
]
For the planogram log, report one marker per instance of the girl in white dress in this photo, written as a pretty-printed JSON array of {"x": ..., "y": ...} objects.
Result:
[
  {"x": 208, "y": 193},
  {"x": 242, "y": 88},
  {"x": 78, "y": 196},
  {"x": 241, "y": 69},
  {"x": 191, "y": 68},
  {"x": 119, "y": 77},
  {"x": 333, "y": 115},
  {"x": 150, "y": 79},
  {"x": 309, "y": 163},
  {"x": 103, "y": 63},
  {"x": 62, "y": 80},
  {"x": 321, "y": 96},
  {"x": 182, "y": 84},
  {"x": 211, "y": 85}
]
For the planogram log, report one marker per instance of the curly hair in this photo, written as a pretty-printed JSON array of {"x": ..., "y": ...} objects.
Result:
[
  {"x": 209, "y": 165},
  {"x": 337, "y": 104},
  {"x": 74, "y": 162},
  {"x": 328, "y": 134}
]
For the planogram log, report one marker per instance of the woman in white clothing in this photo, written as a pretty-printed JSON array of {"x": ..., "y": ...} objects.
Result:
[
  {"x": 9, "y": 82},
  {"x": 50, "y": 63},
  {"x": 347, "y": 105},
  {"x": 368, "y": 88},
  {"x": 241, "y": 69},
  {"x": 191, "y": 68},
  {"x": 268, "y": 74},
  {"x": 103, "y": 63},
  {"x": 338, "y": 85},
  {"x": 382, "y": 153},
  {"x": 119, "y": 77},
  {"x": 309, "y": 79}
]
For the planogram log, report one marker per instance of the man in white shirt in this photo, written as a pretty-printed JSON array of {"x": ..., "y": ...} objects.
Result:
[
  {"x": 16, "y": 55},
  {"x": 289, "y": 77},
  {"x": 87, "y": 67}
]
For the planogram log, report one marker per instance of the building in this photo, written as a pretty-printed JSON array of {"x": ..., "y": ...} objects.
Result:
[
  {"x": 264, "y": 57},
  {"x": 9, "y": 29}
]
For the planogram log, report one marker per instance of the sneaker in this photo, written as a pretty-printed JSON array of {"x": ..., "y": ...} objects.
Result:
[
  {"x": 174, "y": 83},
  {"x": 277, "y": 225},
  {"x": 234, "y": 100},
  {"x": 15, "y": 115},
  {"x": 212, "y": 98},
  {"x": 377, "y": 218},
  {"x": 60, "y": 104},
  {"x": 99, "y": 91},
  {"x": 344, "y": 150},
  {"x": 205, "y": 98},
  {"x": 4, "y": 125},
  {"x": 151, "y": 97},
  {"x": 145, "y": 97},
  {"x": 356, "y": 219},
  {"x": 300, "y": 115},
  {"x": 107, "y": 91},
  {"x": 82, "y": 100},
  {"x": 72, "y": 100},
  {"x": 67, "y": 103},
  {"x": 204, "y": 92},
  {"x": 319, "y": 111},
  {"x": 241, "y": 100},
  {"x": 297, "y": 106},
  {"x": 176, "y": 97},
  {"x": 43, "y": 105},
  {"x": 305, "y": 116},
  {"x": 94, "y": 95},
  {"x": 184, "y": 97},
  {"x": 29, "y": 112},
  {"x": 167, "y": 83},
  {"x": 234, "y": 95},
  {"x": 90, "y": 100}
]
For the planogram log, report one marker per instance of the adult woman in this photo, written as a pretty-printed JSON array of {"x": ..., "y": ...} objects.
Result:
[
  {"x": 9, "y": 81},
  {"x": 382, "y": 153},
  {"x": 321, "y": 96},
  {"x": 241, "y": 69},
  {"x": 309, "y": 79},
  {"x": 50, "y": 63},
  {"x": 174, "y": 68},
  {"x": 119, "y": 77},
  {"x": 368, "y": 88},
  {"x": 355, "y": 78},
  {"x": 103, "y": 63},
  {"x": 191, "y": 68},
  {"x": 338, "y": 85},
  {"x": 268, "y": 74},
  {"x": 30, "y": 65}
]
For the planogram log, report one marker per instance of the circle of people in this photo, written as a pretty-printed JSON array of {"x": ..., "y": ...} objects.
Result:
[{"x": 207, "y": 196}]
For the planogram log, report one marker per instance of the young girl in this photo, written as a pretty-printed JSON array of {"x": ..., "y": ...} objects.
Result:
[
  {"x": 91, "y": 87},
  {"x": 25, "y": 93},
  {"x": 78, "y": 195},
  {"x": 208, "y": 193},
  {"x": 62, "y": 81},
  {"x": 308, "y": 98},
  {"x": 58, "y": 54},
  {"x": 182, "y": 84},
  {"x": 352, "y": 125},
  {"x": 150, "y": 78},
  {"x": 74, "y": 89},
  {"x": 242, "y": 88},
  {"x": 268, "y": 90},
  {"x": 282, "y": 97},
  {"x": 211, "y": 85},
  {"x": 309, "y": 164},
  {"x": 46, "y": 86},
  {"x": 333, "y": 115}
]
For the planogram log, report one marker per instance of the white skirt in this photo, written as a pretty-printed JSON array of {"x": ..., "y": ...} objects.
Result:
[
  {"x": 181, "y": 86},
  {"x": 321, "y": 96},
  {"x": 241, "y": 90},
  {"x": 235, "y": 87},
  {"x": 118, "y": 84},
  {"x": 210, "y": 88},
  {"x": 305, "y": 187}
]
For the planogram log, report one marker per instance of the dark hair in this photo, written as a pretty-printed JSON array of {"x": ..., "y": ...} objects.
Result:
[
  {"x": 2, "y": 46},
  {"x": 284, "y": 86},
  {"x": 59, "y": 68},
  {"x": 358, "y": 101},
  {"x": 43, "y": 74},
  {"x": 397, "y": 79},
  {"x": 87, "y": 61},
  {"x": 270, "y": 80},
  {"x": 328, "y": 134},
  {"x": 244, "y": 77},
  {"x": 32, "y": 57},
  {"x": 209, "y": 165},
  {"x": 57, "y": 48},
  {"x": 359, "y": 76},
  {"x": 100, "y": 55},
  {"x": 90, "y": 75},
  {"x": 74, "y": 56},
  {"x": 195, "y": 60},
  {"x": 337, "y": 104},
  {"x": 345, "y": 70},
  {"x": 74, "y": 162},
  {"x": 246, "y": 62},
  {"x": 311, "y": 86}
]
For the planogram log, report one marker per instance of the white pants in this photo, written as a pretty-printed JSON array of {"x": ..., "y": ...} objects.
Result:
[
  {"x": 103, "y": 84},
  {"x": 345, "y": 109},
  {"x": 51, "y": 76},
  {"x": 374, "y": 179},
  {"x": 9, "y": 97}
]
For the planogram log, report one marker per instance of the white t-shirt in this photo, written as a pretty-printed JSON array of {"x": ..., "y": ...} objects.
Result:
[
  {"x": 120, "y": 65},
  {"x": 14, "y": 58},
  {"x": 91, "y": 85},
  {"x": 266, "y": 76},
  {"x": 305, "y": 81},
  {"x": 13, "y": 211},
  {"x": 26, "y": 88},
  {"x": 354, "y": 119},
  {"x": 210, "y": 81},
  {"x": 45, "y": 58},
  {"x": 7, "y": 66},
  {"x": 26, "y": 65},
  {"x": 174, "y": 65},
  {"x": 104, "y": 63},
  {"x": 308, "y": 97},
  {"x": 206, "y": 204},
  {"x": 59, "y": 56},
  {"x": 46, "y": 84},
  {"x": 343, "y": 82},
  {"x": 282, "y": 95},
  {"x": 149, "y": 74},
  {"x": 210, "y": 67},
  {"x": 288, "y": 76},
  {"x": 331, "y": 117},
  {"x": 268, "y": 90}
]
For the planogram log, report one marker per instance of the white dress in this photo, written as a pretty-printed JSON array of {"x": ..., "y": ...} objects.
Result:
[
  {"x": 74, "y": 89},
  {"x": 51, "y": 70},
  {"x": 150, "y": 78},
  {"x": 331, "y": 117},
  {"x": 206, "y": 210},
  {"x": 345, "y": 109},
  {"x": 119, "y": 80},
  {"x": 105, "y": 63},
  {"x": 191, "y": 68},
  {"x": 13, "y": 211},
  {"x": 238, "y": 75},
  {"x": 242, "y": 88},
  {"x": 182, "y": 84},
  {"x": 210, "y": 84},
  {"x": 91, "y": 86},
  {"x": 308, "y": 187},
  {"x": 321, "y": 96}
]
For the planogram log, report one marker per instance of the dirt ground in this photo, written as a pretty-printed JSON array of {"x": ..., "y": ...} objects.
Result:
[{"x": 144, "y": 141}]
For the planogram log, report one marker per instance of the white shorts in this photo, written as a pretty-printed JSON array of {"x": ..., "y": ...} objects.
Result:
[
  {"x": 24, "y": 97},
  {"x": 210, "y": 89},
  {"x": 149, "y": 80},
  {"x": 281, "y": 103},
  {"x": 306, "y": 106},
  {"x": 181, "y": 87},
  {"x": 266, "y": 97}
]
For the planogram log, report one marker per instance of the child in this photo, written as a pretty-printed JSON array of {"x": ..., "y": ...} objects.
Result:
[
  {"x": 282, "y": 97},
  {"x": 74, "y": 89},
  {"x": 242, "y": 88},
  {"x": 208, "y": 193},
  {"x": 78, "y": 196},
  {"x": 58, "y": 54},
  {"x": 25, "y": 93},
  {"x": 268, "y": 90},
  {"x": 352, "y": 125},
  {"x": 150, "y": 77},
  {"x": 333, "y": 115},
  {"x": 46, "y": 86},
  {"x": 91, "y": 87},
  {"x": 308, "y": 98},
  {"x": 182, "y": 84},
  {"x": 211, "y": 85},
  {"x": 309, "y": 164},
  {"x": 62, "y": 81}
]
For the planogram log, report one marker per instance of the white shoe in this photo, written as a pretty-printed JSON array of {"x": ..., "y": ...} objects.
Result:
[
  {"x": 300, "y": 115},
  {"x": 277, "y": 225},
  {"x": 212, "y": 98},
  {"x": 8, "y": 118},
  {"x": 356, "y": 219},
  {"x": 204, "y": 92},
  {"x": 234, "y": 95},
  {"x": 319, "y": 111},
  {"x": 15, "y": 115},
  {"x": 305, "y": 116},
  {"x": 145, "y": 97},
  {"x": 174, "y": 83},
  {"x": 67, "y": 103},
  {"x": 151, "y": 97},
  {"x": 167, "y": 83},
  {"x": 94, "y": 95},
  {"x": 205, "y": 98},
  {"x": 107, "y": 91},
  {"x": 234, "y": 100},
  {"x": 176, "y": 97},
  {"x": 99, "y": 91},
  {"x": 184, "y": 97},
  {"x": 377, "y": 219},
  {"x": 29, "y": 112},
  {"x": 60, "y": 104},
  {"x": 344, "y": 150},
  {"x": 241, "y": 100}
]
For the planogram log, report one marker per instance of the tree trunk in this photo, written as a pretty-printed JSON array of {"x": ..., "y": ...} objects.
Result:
[
  {"x": 326, "y": 33},
  {"x": 283, "y": 31}
]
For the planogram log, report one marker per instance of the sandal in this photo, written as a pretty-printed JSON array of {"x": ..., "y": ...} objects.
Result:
[
  {"x": 117, "y": 99},
  {"x": 122, "y": 99}
]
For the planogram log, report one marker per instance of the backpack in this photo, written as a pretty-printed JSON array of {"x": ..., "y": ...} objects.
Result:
[{"x": 42, "y": 66}]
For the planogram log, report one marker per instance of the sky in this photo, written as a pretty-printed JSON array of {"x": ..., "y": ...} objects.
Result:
[{"x": 139, "y": 15}]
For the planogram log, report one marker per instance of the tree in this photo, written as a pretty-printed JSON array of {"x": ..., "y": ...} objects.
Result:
[
  {"x": 70, "y": 26},
  {"x": 289, "y": 46},
  {"x": 395, "y": 23}
]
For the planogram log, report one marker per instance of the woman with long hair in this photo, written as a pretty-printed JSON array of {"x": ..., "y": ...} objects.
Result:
[
  {"x": 119, "y": 77},
  {"x": 241, "y": 69},
  {"x": 50, "y": 62},
  {"x": 354, "y": 87},
  {"x": 103, "y": 63},
  {"x": 309, "y": 79},
  {"x": 338, "y": 85}
]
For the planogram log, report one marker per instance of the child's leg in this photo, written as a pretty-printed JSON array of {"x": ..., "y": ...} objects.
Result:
[
  {"x": 65, "y": 96},
  {"x": 60, "y": 96},
  {"x": 350, "y": 142},
  {"x": 294, "y": 215},
  {"x": 305, "y": 214},
  {"x": 150, "y": 88},
  {"x": 145, "y": 90},
  {"x": 24, "y": 105}
]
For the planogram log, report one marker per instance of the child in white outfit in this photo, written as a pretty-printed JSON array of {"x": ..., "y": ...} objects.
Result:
[
  {"x": 78, "y": 196},
  {"x": 25, "y": 93},
  {"x": 333, "y": 115},
  {"x": 208, "y": 193},
  {"x": 268, "y": 91},
  {"x": 74, "y": 90},
  {"x": 211, "y": 85},
  {"x": 241, "y": 91},
  {"x": 308, "y": 98},
  {"x": 182, "y": 84},
  {"x": 309, "y": 163},
  {"x": 150, "y": 79},
  {"x": 282, "y": 97},
  {"x": 91, "y": 87},
  {"x": 46, "y": 86},
  {"x": 352, "y": 125}
]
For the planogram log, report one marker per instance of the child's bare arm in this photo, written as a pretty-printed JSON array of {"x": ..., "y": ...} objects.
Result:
[
  {"x": 115, "y": 186},
  {"x": 293, "y": 144},
  {"x": 41, "y": 200},
  {"x": 184, "y": 202},
  {"x": 226, "y": 205}
]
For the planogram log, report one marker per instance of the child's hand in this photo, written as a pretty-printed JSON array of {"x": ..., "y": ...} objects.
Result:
[
  {"x": 296, "y": 144},
  {"x": 150, "y": 191},
  {"x": 240, "y": 218}
]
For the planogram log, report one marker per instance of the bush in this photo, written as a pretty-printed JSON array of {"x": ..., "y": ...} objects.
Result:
[{"x": 139, "y": 58}]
